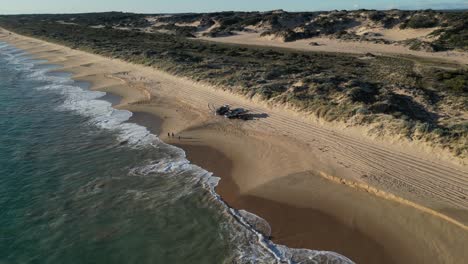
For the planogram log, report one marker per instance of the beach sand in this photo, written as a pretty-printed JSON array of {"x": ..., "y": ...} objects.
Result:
[
  {"x": 293, "y": 226},
  {"x": 308, "y": 211},
  {"x": 319, "y": 186}
]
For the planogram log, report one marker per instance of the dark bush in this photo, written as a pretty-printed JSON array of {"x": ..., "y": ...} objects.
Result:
[{"x": 421, "y": 21}]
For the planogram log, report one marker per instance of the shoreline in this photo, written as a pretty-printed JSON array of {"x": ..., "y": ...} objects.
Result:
[
  {"x": 327, "y": 233},
  {"x": 200, "y": 130}
]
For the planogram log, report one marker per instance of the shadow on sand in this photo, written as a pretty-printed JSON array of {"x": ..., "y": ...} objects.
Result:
[{"x": 254, "y": 116}]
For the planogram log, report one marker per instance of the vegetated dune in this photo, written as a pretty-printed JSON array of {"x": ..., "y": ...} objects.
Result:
[
  {"x": 426, "y": 30},
  {"x": 418, "y": 30}
]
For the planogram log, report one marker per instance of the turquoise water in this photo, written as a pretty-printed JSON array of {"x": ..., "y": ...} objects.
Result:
[{"x": 79, "y": 184}]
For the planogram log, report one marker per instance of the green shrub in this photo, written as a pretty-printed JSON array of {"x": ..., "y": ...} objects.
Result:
[
  {"x": 458, "y": 84},
  {"x": 421, "y": 21}
]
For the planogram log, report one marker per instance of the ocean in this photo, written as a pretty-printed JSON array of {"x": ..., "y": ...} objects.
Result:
[{"x": 79, "y": 183}]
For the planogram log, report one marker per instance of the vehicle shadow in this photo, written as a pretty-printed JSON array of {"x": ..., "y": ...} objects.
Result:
[{"x": 254, "y": 116}]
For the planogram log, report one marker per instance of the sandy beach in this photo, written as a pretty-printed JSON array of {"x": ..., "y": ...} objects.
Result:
[{"x": 319, "y": 185}]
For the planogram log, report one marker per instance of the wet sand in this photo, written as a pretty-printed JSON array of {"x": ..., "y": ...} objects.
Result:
[
  {"x": 293, "y": 226},
  {"x": 112, "y": 98},
  {"x": 151, "y": 122},
  {"x": 334, "y": 217},
  {"x": 290, "y": 225}
]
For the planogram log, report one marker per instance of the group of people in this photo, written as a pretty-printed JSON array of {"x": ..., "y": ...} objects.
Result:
[{"x": 169, "y": 135}]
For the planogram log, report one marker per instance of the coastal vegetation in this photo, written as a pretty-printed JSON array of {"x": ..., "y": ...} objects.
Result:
[
  {"x": 450, "y": 27},
  {"x": 393, "y": 96}
]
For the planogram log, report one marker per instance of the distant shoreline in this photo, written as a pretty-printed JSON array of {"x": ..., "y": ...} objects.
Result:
[{"x": 268, "y": 161}]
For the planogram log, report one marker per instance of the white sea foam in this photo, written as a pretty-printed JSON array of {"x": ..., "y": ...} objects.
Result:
[
  {"x": 254, "y": 246},
  {"x": 164, "y": 166},
  {"x": 41, "y": 75},
  {"x": 264, "y": 250},
  {"x": 102, "y": 114}
]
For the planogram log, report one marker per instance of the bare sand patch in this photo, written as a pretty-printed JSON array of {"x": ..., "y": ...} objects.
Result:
[{"x": 340, "y": 46}]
